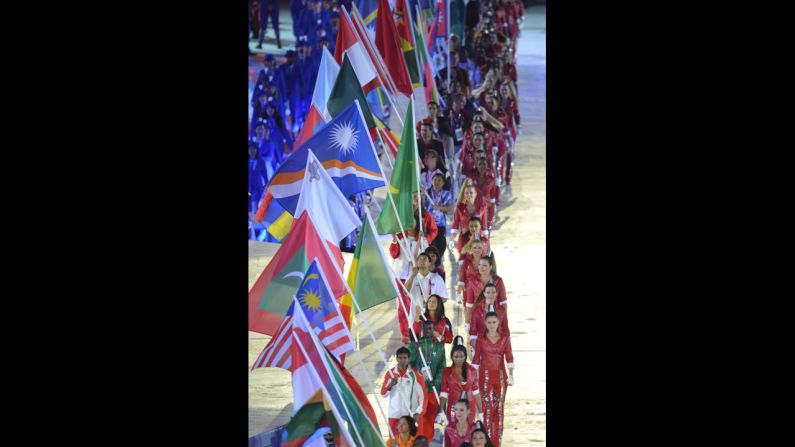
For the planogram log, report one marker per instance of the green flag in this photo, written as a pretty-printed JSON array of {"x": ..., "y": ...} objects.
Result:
[
  {"x": 314, "y": 414},
  {"x": 354, "y": 413},
  {"x": 371, "y": 282},
  {"x": 404, "y": 182},
  {"x": 347, "y": 89}
]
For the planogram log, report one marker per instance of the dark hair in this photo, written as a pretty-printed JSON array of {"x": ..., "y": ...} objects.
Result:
[
  {"x": 482, "y": 294},
  {"x": 403, "y": 350},
  {"x": 475, "y": 218},
  {"x": 492, "y": 262},
  {"x": 439, "y": 308},
  {"x": 421, "y": 438},
  {"x": 424, "y": 254},
  {"x": 492, "y": 314},
  {"x": 463, "y": 401},
  {"x": 420, "y": 198},
  {"x": 456, "y": 348},
  {"x": 434, "y": 250},
  {"x": 413, "y": 425},
  {"x": 488, "y": 440}
]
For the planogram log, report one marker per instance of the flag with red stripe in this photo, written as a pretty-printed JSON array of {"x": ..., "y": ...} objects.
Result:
[
  {"x": 324, "y": 316},
  {"x": 348, "y": 42}
]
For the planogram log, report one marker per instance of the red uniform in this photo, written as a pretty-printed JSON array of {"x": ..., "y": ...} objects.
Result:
[
  {"x": 428, "y": 227},
  {"x": 452, "y": 438},
  {"x": 475, "y": 285},
  {"x": 453, "y": 388},
  {"x": 477, "y": 326},
  {"x": 492, "y": 139},
  {"x": 464, "y": 238},
  {"x": 511, "y": 109},
  {"x": 467, "y": 156},
  {"x": 489, "y": 193},
  {"x": 490, "y": 359},
  {"x": 462, "y": 215}
]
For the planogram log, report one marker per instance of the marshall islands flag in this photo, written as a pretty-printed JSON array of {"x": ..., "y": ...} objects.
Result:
[{"x": 344, "y": 148}]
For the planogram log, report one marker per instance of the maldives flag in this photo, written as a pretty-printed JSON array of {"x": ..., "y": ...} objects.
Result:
[
  {"x": 271, "y": 295},
  {"x": 348, "y": 42}
]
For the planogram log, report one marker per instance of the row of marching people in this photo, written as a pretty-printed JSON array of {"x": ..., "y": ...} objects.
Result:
[
  {"x": 459, "y": 376},
  {"x": 426, "y": 330}
]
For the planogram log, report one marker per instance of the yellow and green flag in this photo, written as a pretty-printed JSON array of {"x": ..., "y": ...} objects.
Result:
[
  {"x": 404, "y": 182},
  {"x": 369, "y": 277}
]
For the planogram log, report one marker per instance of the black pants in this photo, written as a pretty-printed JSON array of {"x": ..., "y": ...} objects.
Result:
[{"x": 440, "y": 242}]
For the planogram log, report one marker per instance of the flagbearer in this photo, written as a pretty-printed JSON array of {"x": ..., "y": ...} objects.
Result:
[
  {"x": 433, "y": 351},
  {"x": 403, "y": 386}
]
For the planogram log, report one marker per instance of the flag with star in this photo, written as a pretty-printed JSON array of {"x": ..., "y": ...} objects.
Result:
[
  {"x": 346, "y": 152},
  {"x": 403, "y": 183},
  {"x": 316, "y": 299}
]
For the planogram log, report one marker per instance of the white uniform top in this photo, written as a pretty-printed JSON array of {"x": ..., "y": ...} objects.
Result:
[
  {"x": 401, "y": 263},
  {"x": 407, "y": 389},
  {"x": 423, "y": 287}
]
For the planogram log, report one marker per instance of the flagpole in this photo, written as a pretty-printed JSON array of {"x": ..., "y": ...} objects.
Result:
[
  {"x": 420, "y": 214},
  {"x": 386, "y": 150},
  {"x": 369, "y": 218},
  {"x": 447, "y": 33},
  {"x": 317, "y": 342},
  {"x": 422, "y": 356},
  {"x": 411, "y": 29},
  {"x": 350, "y": 337},
  {"x": 373, "y": 49},
  {"x": 361, "y": 38},
  {"x": 364, "y": 319},
  {"x": 370, "y": 379},
  {"x": 333, "y": 382},
  {"x": 381, "y": 62},
  {"x": 356, "y": 17},
  {"x": 369, "y": 329},
  {"x": 388, "y": 194}
]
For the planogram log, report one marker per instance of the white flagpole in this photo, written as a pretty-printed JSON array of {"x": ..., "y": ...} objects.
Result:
[
  {"x": 382, "y": 64},
  {"x": 299, "y": 310},
  {"x": 420, "y": 212},
  {"x": 367, "y": 323}
]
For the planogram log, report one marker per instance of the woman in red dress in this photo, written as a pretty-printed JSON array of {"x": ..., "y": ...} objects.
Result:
[
  {"x": 434, "y": 311},
  {"x": 469, "y": 151},
  {"x": 460, "y": 381},
  {"x": 485, "y": 304},
  {"x": 470, "y": 257},
  {"x": 492, "y": 352},
  {"x": 487, "y": 273},
  {"x": 476, "y": 232},
  {"x": 469, "y": 207},
  {"x": 461, "y": 431},
  {"x": 486, "y": 183}
]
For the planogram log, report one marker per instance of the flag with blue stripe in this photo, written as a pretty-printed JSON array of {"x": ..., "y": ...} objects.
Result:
[{"x": 344, "y": 148}]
